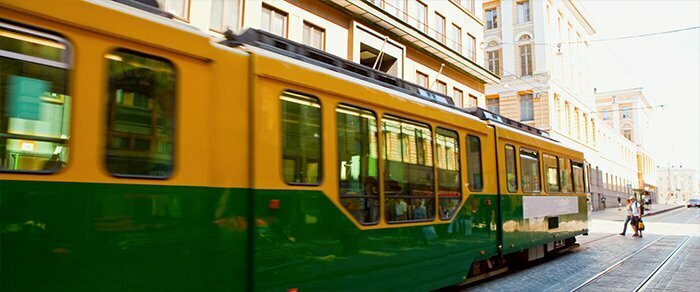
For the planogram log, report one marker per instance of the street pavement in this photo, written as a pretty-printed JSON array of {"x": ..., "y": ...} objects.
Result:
[{"x": 665, "y": 259}]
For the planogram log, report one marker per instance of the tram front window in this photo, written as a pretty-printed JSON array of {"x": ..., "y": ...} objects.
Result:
[{"x": 34, "y": 104}]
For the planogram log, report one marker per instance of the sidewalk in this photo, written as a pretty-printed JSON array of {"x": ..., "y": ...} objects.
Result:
[{"x": 614, "y": 213}]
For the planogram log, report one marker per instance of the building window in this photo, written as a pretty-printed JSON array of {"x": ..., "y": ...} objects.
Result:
[
  {"x": 476, "y": 180},
  {"x": 493, "y": 61},
  {"x": 422, "y": 79},
  {"x": 179, "y": 8},
  {"x": 371, "y": 57},
  {"x": 526, "y": 60},
  {"x": 449, "y": 186},
  {"x": 420, "y": 19},
  {"x": 523, "y": 11},
  {"x": 467, "y": 4},
  {"x": 493, "y": 105},
  {"x": 491, "y": 18},
  {"x": 471, "y": 47},
  {"x": 456, "y": 38},
  {"x": 395, "y": 7},
  {"x": 551, "y": 173},
  {"x": 301, "y": 139},
  {"x": 274, "y": 21},
  {"x": 35, "y": 108},
  {"x": 439, "y": 27},
  {"x": 314, "y": 36},
  {"x": 458, "y": 96},
  {"x": 473, "y": 101},
  {"x": 441, "y": 87},
  {"x": 408, "y": 170},
  {"x": 626, "y": 112},
  {"x": 627, "y": 133},
  {"x": 140, "y": 115},
  {"x": 357, "y": 162},
  {"x": 529, "y": 170},
  {"x": 225, "y": 15},
  {"x": 527, "y": 112}
]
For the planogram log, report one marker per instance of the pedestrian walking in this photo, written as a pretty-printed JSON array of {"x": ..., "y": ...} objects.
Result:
[
  {"x": 636, "y": 216},
  {"x": 619, "y": 201},
  {"x": 628, "y": 209},
  {"x": 603, "y": 201}
]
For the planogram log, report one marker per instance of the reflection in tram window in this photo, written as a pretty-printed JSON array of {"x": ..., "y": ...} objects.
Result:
[
  {"x": 578, "y": 177},
  {"x": 357, "y": 160},
  {"x": 449, "y": 190},
  {"x": 476, "y": 179},
  {"x": 34, "y": 104},
  {"x": 551, "y": 173},
  {"x": 529, "y": 170},
  {"x": 565, "y": 174},
  {"x": 141, "y": 97},
  {"x": 511, "y": 172},
  {"x": 408, "y": 170},
  {"x": 301, "y": 139}
]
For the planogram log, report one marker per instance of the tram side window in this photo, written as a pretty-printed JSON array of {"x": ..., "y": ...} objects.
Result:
[
  {"x": 511, "y": 172},
  {"x": 448, "y": 172},
  {"x": 578, "y": 177},
  {"x": 35, "y": 107},
  {"x": 476, "y": 179},
  {"x": 565, "y": 175},
  {"x": 301, "y": 139},
  {"x": 529, "y": 170},
  {"x": 408, "y": 170},
  {"x": 357, "y": 160},
  {"x": 140, "y": 115},
  {"x": 551, "y": 173}
]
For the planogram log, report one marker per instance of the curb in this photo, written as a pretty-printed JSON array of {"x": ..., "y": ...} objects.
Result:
[{"x": 663, "y": 211}]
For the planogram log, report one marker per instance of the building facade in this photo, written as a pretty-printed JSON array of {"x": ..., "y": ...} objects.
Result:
[
  {"x": 629, "y": 113},
  {"x": 432, "y": 43},
  {"x": 677, "y": 184},
  {"x": 541, "y": 50}
]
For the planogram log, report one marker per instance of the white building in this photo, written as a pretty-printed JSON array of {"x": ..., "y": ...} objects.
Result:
[
  {"x": 541, "y": 50},
  {"x": 677, "y": 184},
  {"x": 629, "y": 112}
]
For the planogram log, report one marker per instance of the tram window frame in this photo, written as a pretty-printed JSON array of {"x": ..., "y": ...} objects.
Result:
[
  {"x": 551, "y": 162},
  {"x": 470, "y": 164},
  {"x": 113, "y": 55},
  {"x": 566, "y": 188},
  {"x": 373, "y": 148},
  {"x": 319, "y": 169},
  {"x": 515, "y": 168},
  {"x": 59, "y": 157},
  {"x": 581, "y": 188},
  {"x": 451, "y": 209},
  {"x": 526, "y": 153},
  {"x": 400, "y": 199}
]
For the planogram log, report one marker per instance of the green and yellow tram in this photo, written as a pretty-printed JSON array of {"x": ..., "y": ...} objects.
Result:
[{"x": 135, "y": 154}]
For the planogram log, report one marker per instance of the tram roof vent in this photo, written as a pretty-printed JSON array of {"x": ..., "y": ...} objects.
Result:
[
  {"x": 283, "y": 46},
  {"x": 494, "y": 117}
]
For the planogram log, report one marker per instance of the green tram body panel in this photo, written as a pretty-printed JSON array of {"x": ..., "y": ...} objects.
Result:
[{"x": 113, "y": 237}]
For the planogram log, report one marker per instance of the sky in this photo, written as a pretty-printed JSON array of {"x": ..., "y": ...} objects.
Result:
[{"x": 667, "y": 66}]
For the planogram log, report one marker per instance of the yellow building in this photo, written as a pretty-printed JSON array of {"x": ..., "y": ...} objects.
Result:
[{"x": 435, "y": 44}]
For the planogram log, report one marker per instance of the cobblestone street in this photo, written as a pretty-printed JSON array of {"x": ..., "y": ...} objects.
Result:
[{"x": 606, "y": 261}]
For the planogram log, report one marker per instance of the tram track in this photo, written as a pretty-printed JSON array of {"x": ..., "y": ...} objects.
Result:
[{"x": 648, "y": 278}]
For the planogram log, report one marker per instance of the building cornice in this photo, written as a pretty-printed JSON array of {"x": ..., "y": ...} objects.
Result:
[
  {"x": 581, "y": 16},
  {"x": 375, "y": 17}
]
